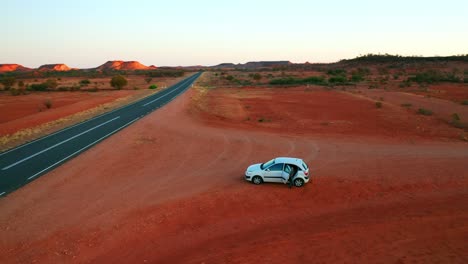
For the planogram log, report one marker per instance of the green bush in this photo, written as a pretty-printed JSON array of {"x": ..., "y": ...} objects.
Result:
[
  {"x": 51, "y": 83},
  {"x": 16, "y": 92},
  {"x": 336, "y": 72},
  {"x": 84, "y": 82},
  {"x": 338, "y": 79},
  {"x": 8, "y": 82},
  {"x": 319, "y": 80},
  {"x": 153, "y": 87},
  {"x": 38, "y": 87},
  {"x": 118, "y": 82},
  {"x": 257, "y": 77},
  {"x": 425, "y": 112}
]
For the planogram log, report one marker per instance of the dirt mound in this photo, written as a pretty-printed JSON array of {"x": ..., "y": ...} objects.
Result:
[
  {"x": 12, "y": 67},
  {"x": 54, "y": 67},
  {"x": 124, "y": 65}
]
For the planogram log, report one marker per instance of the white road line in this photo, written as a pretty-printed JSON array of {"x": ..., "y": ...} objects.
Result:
[
  {"x": 165, "y": 94},
  {"x": 63, "y": 130},
  {"x": 2, "y": 193},
  {"x": 78, "y": 151},
  {"x": 58, "y": 144}
]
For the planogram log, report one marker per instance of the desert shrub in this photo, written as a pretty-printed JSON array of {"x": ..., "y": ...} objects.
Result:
[
  {"x": 338, "y": 79},
  {"x": 229, "y": 77},
  {"x": 118, "y": 82},
  {"x": 51, "y": 83},
  {"x": 336, "y": 72},
  {"x": 405, "y": 84},
  {"x": 378, "y": 104},
  {"x": 464, "y": 102},
  {"x": 48, "y": 103},
  {"x": 153, "y": 87},
  {"x": 425, "y": 112},
  {"x": 8, "y": 82},
  {"x": 38, "y": 87},
  {"x": 407, "y": 105},
  {"x": 456, "y": 121},
  {"x": 84, "y": 82},
  {"x": 63, "y": 88},
  {"x": 465, "y": 80},
  {"x": 93, "y": 90},
  {"x": 319, "y": 80},
  {"x": 21, "y": 84},
  {"x": 433, "y": 76},
  {"x": 356, "y": 77},
  {"x": 373, "y": 86},
  {"x": 257, "y": 77},
  {"x": 16, "y": 92},
  {"x": 148, "y": 80}
]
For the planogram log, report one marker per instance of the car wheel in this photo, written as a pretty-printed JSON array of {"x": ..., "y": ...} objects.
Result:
[
  {"x": 299, "y": 182},
  {"x": 257, "y": 180}
]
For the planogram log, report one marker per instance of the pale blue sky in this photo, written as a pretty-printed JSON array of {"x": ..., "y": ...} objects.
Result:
[{"x": 85, "y": 33}]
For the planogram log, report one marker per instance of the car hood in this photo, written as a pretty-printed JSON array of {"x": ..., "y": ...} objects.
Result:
[{"x": 254, "y": 167}]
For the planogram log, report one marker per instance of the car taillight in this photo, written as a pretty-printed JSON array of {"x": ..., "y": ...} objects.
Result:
[{"x": 306, "y": 173}]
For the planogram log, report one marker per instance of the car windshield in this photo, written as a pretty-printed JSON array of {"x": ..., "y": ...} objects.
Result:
[{"x": 267, "y": 164}]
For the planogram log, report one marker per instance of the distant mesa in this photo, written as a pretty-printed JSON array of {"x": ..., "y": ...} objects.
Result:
[
  {"x": 253, "y": 64},
  {"x": 12, "y": 67},
  {"x": 124, "y": 65},
  {"x": 54, "y": 67}
]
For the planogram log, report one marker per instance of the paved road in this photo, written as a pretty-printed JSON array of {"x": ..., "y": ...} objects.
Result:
[{"x": 28, "y": 162}]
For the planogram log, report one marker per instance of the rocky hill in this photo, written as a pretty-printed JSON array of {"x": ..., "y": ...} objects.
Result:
[
  {"x": 124, "y": 65},
  {"x": 12, "y": 67},
  {"x": 252, "y": 65},
  {"x": 54, "y": 67}
]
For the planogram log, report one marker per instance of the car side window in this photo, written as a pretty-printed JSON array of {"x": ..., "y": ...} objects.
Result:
[
  {"x": 276, "y": 167},
  {"x": 287, "y": 168}
]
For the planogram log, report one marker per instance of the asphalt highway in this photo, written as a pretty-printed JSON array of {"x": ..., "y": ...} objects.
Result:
[{"x": 27, "y": 162}]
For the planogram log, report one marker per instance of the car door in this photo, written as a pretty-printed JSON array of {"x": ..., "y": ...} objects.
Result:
[
  {"x": 285, "y": 173},
  {"x": 274, "y": 173}
]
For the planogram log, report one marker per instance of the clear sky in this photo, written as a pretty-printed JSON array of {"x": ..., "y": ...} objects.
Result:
[{"x": 87, "y": 33}]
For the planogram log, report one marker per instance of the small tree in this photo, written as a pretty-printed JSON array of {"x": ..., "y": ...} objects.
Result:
[
  {"x": 51, "y": 83},
  {"x": 118, "y": 82},
  {"x": 257, "y": 77},
  {"x": 8, "y": 82}
]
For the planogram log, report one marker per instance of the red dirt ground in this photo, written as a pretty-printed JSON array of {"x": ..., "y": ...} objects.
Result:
[
  {"x": 19, "y": 112},
  {"x": 169, "y": 189}
]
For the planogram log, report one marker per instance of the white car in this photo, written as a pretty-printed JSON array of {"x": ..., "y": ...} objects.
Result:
[{"x": 277, "y": 170}]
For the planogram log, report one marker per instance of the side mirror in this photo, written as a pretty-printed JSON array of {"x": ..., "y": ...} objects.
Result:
[{"x": 267, "y": 170}]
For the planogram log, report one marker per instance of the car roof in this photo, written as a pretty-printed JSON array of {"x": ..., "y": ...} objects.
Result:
[{"x": 289, "y": 160}]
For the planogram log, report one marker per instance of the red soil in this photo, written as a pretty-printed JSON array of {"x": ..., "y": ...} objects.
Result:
[
  {"x": 29, "y": 110},
  {"x": 313, "y": 111},
  {"x": 169, "y": 189}
]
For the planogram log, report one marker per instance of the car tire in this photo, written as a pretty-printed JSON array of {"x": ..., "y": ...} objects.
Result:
[
  {"x": 257, "y": 180},
  {"x": 298, "y": 182}
]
